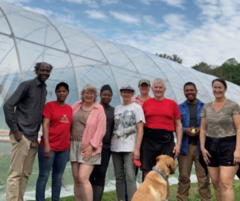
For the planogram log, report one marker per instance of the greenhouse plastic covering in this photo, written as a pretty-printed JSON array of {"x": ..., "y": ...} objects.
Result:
[{"x": 79, "y": 58}]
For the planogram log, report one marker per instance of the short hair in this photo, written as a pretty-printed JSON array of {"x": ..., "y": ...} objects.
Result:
[
  {"x": 189, "y": 84},
  {"x": 159, "y": 80},
  {"x": 62, "y": 84},
  {"x": 89, "y": 87},
  {"x": 220, "y": 80},
  {"x": 38, "y": 65}
]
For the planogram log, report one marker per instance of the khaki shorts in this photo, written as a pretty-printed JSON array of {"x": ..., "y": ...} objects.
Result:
[{"x": 75, "y": 155}]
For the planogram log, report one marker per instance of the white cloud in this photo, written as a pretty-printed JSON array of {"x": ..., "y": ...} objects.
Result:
[
  {"x": 174, "y": 3},
  {"x": 109, "y": 2},
  {"x": 96, "y": 14},
  {"x": 90, "y": 3},
  {"x": 16, "y": 1},
  {"x": 47, "y": 13},
  {"x": 176, "y": 22},
  {"x": 149, "y": 20},
  {"x": 213, "y": 40},
  {"x": 68, "y": 19},
  {"x": 126, "y": 18}
]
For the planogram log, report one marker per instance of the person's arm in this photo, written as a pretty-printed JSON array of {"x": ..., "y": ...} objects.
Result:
[
  {"x": 236, "y": 120},
  {"x": 8, "y": 109},
  {"x": 97, "y": 136},
  {"x": 136, "y": 153},
  {"x": 179, "y": 135},
  {"x": 47, "y": 148},
  {"x": 202, "y": 139}
]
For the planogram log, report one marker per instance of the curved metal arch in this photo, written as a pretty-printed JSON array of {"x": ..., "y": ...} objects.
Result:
[
  {"x": 128, "y": 58},
  {"x": 160, "y": 70},
  {"x": 106, "y": 60},
  {"x": 199, "y": 81},
  {"x": 15, "y": 43},
  {"x": 67, "y": 51},
  {"x": 164, "y": 60}
]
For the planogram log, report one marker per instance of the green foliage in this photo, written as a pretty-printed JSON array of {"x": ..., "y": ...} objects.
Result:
[
  {"x": 174, "y": 57},
  {"x": 229, "y": 70},
  {"x": 202, "y": 67}
]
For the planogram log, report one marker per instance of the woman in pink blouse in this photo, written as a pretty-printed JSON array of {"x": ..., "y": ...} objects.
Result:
[{"x": 88, "y": 129}]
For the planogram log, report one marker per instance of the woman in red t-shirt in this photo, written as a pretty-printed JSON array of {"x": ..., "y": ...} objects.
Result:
[{"x": 53, "y": 152}]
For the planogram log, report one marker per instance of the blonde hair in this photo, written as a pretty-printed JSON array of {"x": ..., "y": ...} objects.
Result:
[{"x": 89, "y": 87}]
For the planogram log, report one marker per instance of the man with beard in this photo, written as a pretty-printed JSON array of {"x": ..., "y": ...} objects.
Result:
[
  {"x": 190, "y": 117},
  {"x": 23, "y": 114}
]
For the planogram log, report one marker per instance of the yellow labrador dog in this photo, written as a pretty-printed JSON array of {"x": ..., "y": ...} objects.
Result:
[{"x": 154, "y": 187}]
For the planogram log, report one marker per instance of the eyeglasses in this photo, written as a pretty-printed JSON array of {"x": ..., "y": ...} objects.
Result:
[{"x": 89, "y": 93}]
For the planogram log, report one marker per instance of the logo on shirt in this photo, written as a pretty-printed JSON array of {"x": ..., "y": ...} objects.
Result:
[
  {"x": 125, "y": 125},
  {"x": 64, "y": 119}
]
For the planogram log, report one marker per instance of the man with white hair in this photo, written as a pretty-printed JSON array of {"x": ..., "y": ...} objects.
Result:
[{"x": 162, "y": 117}]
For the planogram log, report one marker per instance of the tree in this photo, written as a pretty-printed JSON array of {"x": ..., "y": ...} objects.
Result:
[
  {"x": 229, "y": 70},
  {"x": 174, "y": 57},
  {"x": 202, "y": 67}
]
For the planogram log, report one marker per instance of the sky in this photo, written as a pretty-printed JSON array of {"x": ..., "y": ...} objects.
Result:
[{"x": 195, "y": 30}]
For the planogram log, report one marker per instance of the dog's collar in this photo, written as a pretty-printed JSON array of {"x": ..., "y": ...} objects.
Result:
[{"x": 159, "y": 171}]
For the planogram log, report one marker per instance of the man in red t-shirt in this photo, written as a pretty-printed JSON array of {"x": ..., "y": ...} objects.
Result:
[{"x": 162, "y": 117}]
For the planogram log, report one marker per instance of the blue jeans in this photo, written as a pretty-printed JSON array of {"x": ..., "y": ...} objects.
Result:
[{"x": 57, "y": 164}]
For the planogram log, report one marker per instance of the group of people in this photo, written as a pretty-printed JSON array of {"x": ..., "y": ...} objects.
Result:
[{"x": 134, "y": 133}]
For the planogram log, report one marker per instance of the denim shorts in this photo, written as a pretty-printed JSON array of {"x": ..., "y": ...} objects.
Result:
[{"x": 75, "y": 155}]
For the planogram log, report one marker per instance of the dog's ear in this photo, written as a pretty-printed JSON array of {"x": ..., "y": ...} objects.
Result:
[
  {"x": 172, "y": 166},
  {"x": 158, "y": 158}
]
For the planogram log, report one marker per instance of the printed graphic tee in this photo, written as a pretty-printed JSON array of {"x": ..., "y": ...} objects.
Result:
[
  {"x": 60, "y": 123},
  {"x": 125, "y": 127}
]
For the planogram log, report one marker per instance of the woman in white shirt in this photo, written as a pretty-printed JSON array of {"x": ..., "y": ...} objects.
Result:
[{"x": 126, "y": 142}]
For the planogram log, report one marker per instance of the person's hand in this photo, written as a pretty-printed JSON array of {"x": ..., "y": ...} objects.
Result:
[
  {"x": 176, "y": 150},
  {"x": 236, "y": 156},
  {"x": 88, "y": 153},
  {"x": 206, "y": 156},
  {"x": 47, "y": 152},
  {"x": 190, "y": 134},
  {"x": 136, "y": 154},
  {"x": 197, "y": 132},
  {"x": 17, "y": 135}
]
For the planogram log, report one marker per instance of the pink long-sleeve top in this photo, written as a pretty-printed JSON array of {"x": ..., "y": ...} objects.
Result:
[{"x": 95, "y": 128}]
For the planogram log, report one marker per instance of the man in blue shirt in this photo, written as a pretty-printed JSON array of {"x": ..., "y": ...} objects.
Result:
[{"x": 190, "y": 117}]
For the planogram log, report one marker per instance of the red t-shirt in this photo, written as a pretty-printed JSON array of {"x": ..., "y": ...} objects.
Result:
[
  {"x": 60, "y": 123},
  {"x": 161, "y": 114}
]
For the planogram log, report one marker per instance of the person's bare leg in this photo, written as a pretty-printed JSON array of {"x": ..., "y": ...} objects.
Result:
[
  {"x": 85, "y": 185},
  {"x": 77, "y": 190},
  {"x": 227, "y": 174},
  {"x": 214, "y": 173}
]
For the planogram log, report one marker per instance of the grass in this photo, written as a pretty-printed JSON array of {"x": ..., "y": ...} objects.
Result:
[
  {"x": 193, "y": 193},
  {"x": 108, "y": 196}
]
